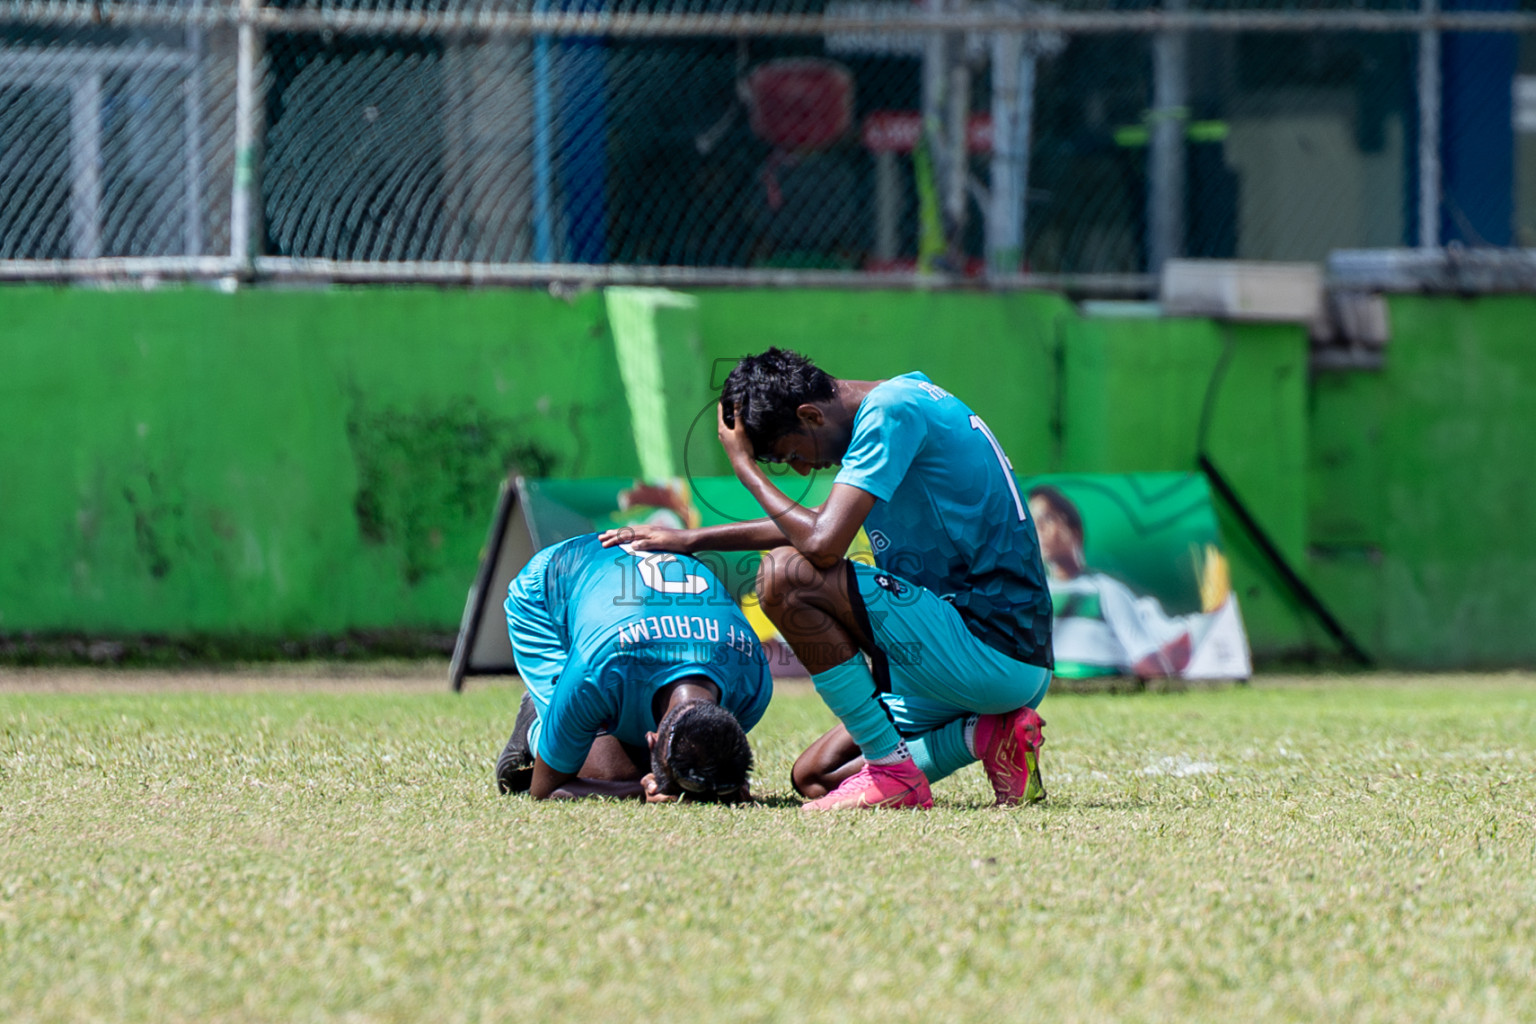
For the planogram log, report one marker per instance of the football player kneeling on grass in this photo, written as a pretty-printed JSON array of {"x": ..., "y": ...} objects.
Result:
[
  {"x": 642, "y": 678},
  {"x": 954, "y": 617}
]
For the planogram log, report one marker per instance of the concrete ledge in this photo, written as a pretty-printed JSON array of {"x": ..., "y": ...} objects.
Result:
[
  {"x": 1241, "y": 290},
  {"x": 1453, "y": 270}
]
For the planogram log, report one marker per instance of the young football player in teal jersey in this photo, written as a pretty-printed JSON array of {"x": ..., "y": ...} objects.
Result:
[
  {"x": 642, "y": 677},
  {"x": 955, "y": 616}
]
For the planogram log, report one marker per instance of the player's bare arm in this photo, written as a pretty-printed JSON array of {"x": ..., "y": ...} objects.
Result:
[
  {"x": 611, "y": 768},
  {"x": 549, "y": 784},
  {"x": 753, "y": 535},
  {"x": 840, "y": 516}
]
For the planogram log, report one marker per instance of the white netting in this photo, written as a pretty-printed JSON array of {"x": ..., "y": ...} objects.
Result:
[
  {"x": 115, "y": 143},
  {"x": 827, "y": 136}
]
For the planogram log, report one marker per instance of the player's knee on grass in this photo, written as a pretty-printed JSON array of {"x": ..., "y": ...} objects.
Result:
[
  {"x": 809, "y": 778},
  {"x": 701, "y": 752},
  {"x": 825, "y": 764}
]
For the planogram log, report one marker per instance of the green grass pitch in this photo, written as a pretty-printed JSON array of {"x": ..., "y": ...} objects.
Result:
[{"x": 1331, "y": 849}]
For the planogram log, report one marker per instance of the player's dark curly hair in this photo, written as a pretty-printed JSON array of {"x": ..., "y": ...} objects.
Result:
[
  {"x": 765, "y": 390},
  {"x": 1061, "y": 505},
  {"x": 701, "y": 751}
]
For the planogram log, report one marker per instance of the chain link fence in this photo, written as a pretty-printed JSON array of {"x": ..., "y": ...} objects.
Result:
[
  {"x": 753, "y": 141},
  {"x": 114, "y": 142}
]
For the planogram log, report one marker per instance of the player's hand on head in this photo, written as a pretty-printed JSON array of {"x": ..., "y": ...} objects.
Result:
[
  {"x": 733, "y": 437},
  {"x": 646, "y": 538},
  {"x": 621, "y": 535}
]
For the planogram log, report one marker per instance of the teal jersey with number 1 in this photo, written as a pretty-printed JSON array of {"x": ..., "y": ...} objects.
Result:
[
  {"x": 949, "y": 515},
  {"x": 597, "y": 631}
]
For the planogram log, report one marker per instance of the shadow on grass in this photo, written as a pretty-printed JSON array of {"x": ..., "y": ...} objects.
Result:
[
  {"x": 1053, "y": 804},
  {"x": 1102, "y": 803},
  {"x": 777, "y": 801},
  {"x": 145, "y": 650}
]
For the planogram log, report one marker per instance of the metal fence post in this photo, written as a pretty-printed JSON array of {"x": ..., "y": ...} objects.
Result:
[
  {"x": 1165, "y": 153},
  {"x": 935, "y": 86},
  {"x": 956, "y": 160},
  {"x": 543, "y": 160},
  {"x": 1012, "y": 100},
  {"x": 193, "y": 92},
  {"x": 245, "y": 199},
  {"x": 85, "y": 164},
  {"x": 1429, "y": 132}
]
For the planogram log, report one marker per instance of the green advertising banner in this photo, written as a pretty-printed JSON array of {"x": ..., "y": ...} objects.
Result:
[
  {"x": 1136, "y": 572},
  {"x": 1138, "y": 579}
]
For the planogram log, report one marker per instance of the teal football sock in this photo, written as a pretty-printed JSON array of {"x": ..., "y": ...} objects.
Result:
[
  {"x": 849, "y": 691},
  {"x": 941, "y": 752}
]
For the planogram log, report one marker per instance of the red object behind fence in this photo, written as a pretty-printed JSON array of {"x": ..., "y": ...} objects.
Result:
[{"x": 800, "y": 103}]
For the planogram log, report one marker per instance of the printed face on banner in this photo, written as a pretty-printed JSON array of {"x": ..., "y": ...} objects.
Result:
[{"x": 1138, "y": 581}]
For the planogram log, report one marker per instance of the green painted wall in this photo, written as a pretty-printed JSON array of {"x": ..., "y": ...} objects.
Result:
[
  {"x": 1424, "y": 480},
  {"x": 280, "y": 462},
  {"x": 1346, "y": 491},
  {"x": 667, "y": 379}
]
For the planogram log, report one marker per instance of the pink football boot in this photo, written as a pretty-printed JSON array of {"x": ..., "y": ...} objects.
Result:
[
  {"x": 1009, "y": 748},
  {"x": 876, "y": 785}
]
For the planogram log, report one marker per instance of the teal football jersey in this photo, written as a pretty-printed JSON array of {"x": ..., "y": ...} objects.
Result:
[
  {"x": 950, "y": 516},
  {"x": 629, "y": 624}
]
